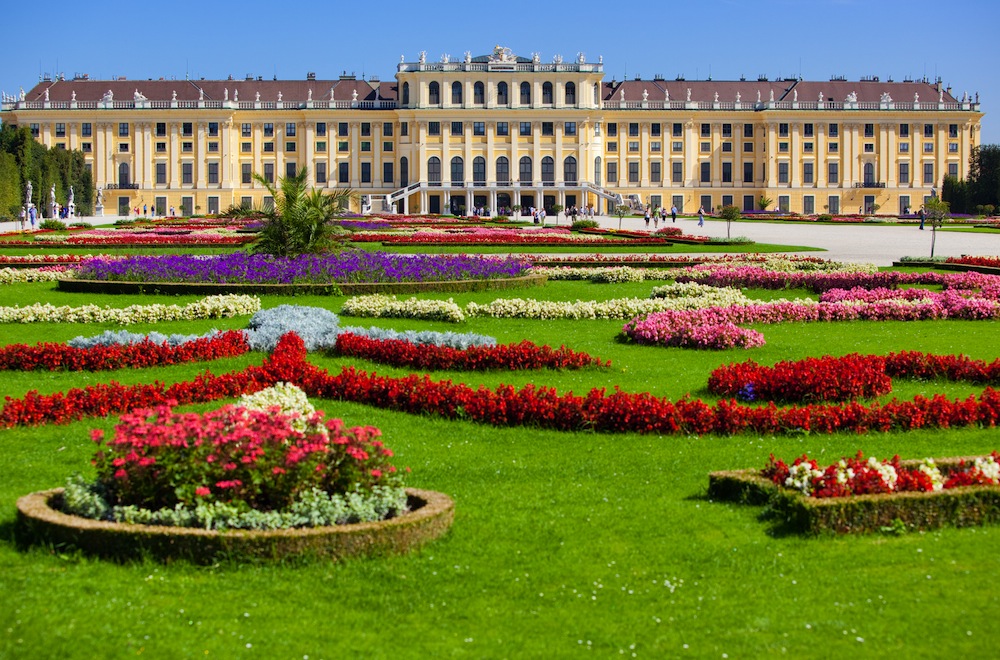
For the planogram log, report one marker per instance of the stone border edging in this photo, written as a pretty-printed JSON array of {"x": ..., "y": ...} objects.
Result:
[
  {"x": 431, "y": 515},
  {"x": 332, "y": 289},
  {"x": 861, "y": 514}
]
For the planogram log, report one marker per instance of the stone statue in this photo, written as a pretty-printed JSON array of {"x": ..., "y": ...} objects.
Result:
[
  {"x": 535, "y": 58},
  {"x": 557, "y": 59},
  {"x": 770, "y": 99},
  {"x": 688, "y": 99},
  {"x": 795, "y": 96},
  {"x": 173, "y": 95},
  {"x": 666, "y": 95},
  {"x": 941, "y": 95},
  {"x": 279, "y": 97},
  {"x": 445, "y": 58},
  {"x": 46, "y": 94},
  {"x": 256, "y": 98},
  {"x": 581, "y": 58},
  {"x": 422, "y": 58},
  {"x": 236, "y": 96},
  {"x": 201, "y": 94},
  {"x": 73, "y": 96},
  {"x": 738, "y": 97},
  {"x": 468, "y": 57},
  {"x": 852, "y": 97},
  {"x": 645, "y": 95},
  {"x": 622, "y": 94},
  {"x": 108, "y": 97},
  {"x": 27, "y": 193},
  {"x": 758, "y": 96},
  {"x": 52, "y": 195},
  {"x": 916, "y": 97},
  {"x": 69, "y": 201},
  {"x": 354, "y": 95},
  {"x": 20, "y": 97},
  {"x": 138, "y": 96},
  {"x": 309, "y": 97},
  {"x": 821, "y": 97},
  {"x": 716, "y": 97},
  {"x": 225, "y": 94},
  {"x": 100, "y": 196},
  {"x": 402, "y": 59}
]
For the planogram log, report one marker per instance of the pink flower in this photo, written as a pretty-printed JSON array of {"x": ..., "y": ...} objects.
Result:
[{"x": 202, "y": 491}]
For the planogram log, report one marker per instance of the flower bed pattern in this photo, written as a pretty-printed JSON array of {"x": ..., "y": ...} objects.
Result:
[{"x": 211, "y": 307}]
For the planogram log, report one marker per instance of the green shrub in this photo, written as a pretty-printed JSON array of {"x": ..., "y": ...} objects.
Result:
[
  {"x": 585, "y": 224},
  {"x": 53, "y": 224},
  {"x": 825, "y": 217}
]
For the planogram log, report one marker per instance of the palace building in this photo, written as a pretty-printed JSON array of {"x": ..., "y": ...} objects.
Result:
[{"x": 500, "y": 131}]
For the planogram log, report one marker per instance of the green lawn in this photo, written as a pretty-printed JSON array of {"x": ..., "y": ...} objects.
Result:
[{"x": 563, "y": 544}]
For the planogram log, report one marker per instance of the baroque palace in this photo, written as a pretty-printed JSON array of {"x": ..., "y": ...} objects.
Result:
[{"x": 498, "y": 131}]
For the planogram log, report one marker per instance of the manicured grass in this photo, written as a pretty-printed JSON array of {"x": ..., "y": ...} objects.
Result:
[
  {"x": 707, "y": 248},
  {"x": 562, "y": 543}
]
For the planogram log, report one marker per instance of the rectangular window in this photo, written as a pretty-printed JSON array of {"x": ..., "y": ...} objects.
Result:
[
  {"x": 833, "y": 204},
  {"x": 213, "y": 147},
  {"x": 321, "y": 146},
  {"x": 677, "y": 129},
  {"x": 782, "y": 172},
  {"x": 187, "y": 129},
  {"x": 953, "y": 147},
  {"x": 387, "y": 172},
  {"x": 187, "y": 147},
  {"x": 269, "y": 172},
  {"x": 808, "y": 204},
  {"x": 655, "y": 172},
  {"x": 612, "y": 130},
  {"x": 928, "y": 173},
  {"x": 289, "y": 146},
  {"x": 727, "y": 200},
  {"x": 928, "y": 147},
  {"x": 904, "y": 130},
  {"x": 366, "y": 129},
  {"x": 457, "y": 128},
  {"x": 268, "y": 130},
  {"x": 633, "y": 129},
  {"x": 61, "y": 145},
  {"x": 187, "y": 173},
  {"x": 928, "y": 130},
  {"x": 85, "y": 129},
  {"x": 213, "y": 173},
  {"x": 35, "y": 132},
  {"x": 387, "y": 146},
  {"x": 706, "y": 147},
  {"x": 748, "y": 147},
  {"x": 869, "y": 147},
  {"x": 60, "y": 129},
  {"x": 612, "y": 172},
  {"x": 807, "y": 130},
  {"x": 784, "y": 203},
  {"x": 655, "y": 147},
  {"x": 123, "y": 129},
  {"x": 290, "y": 170},
  {"x": 245, "y": 202},
  {"x": 269, "y": 147},
  {"x": 833, "y": 130},
  {"x": 387, "y": 129},
  {"x": 548, "y": 128},
  {"x": 289, "y": 129},
  {"x": 727, "y": 130},
  {"x": 706, "y": 130},
  {"x": 807, "y": 147},
  {"x": 85, "y": 147},
  {"x": 953, "y": 130},
  {"x": 343, "y": 173},
  {"x": 321, "y": 129},
  {"x": 433, "y": 128},
  {"x": 161, "y": 174},
  {"x": 569, "y": 128},
  {"x": 782, "y": 147},
  {"x": 953, "y": 170},
  {"x": 633, "y": 146},
  {"x": 366, "y": 145},
  {"x": 246, "y": 130},
  {"x": 503, "y": 128},
  {"x": 161, "y": 129},
  {"x": 524, "y": 128},
  {"x": 782, "y": 130},
  {"x": 654, "y": 129},
  {"x": 479, "y": 128},
  {"x": 807, "y": 172},
  {"x": 342, "y": 146},
  {"x": 246, "y": 173},
  {"x": 366, "y": 172},
  {"x": 748, "y": 130},
  {"x": 320, "y": 173},
  {"x": 342, "y": 129},
  {"x": 706, "y": 172},
  {"x": 904, "y": 172},
  {"x": 747, "y": 172},
  {"x": 706, "y": 203},
  {"x": 676, "y": 172},
  {"x": 677, "y": 202},
  {"x": 161, "y": 147},
  {"x": 869, "y": 130},
  {"x": 677, "y": 146},
  {"x": 833, "y": 147},
  {"x": 727, "y": 147},
  {"x": 727, "y": 173},
  {"x": 123, "y": 147},
  {"x": 633, "y": 172},
  {"x": 213, "y": 129},
  {"x": 833, "y": 173},
  {"x": 404, "y": 128}
]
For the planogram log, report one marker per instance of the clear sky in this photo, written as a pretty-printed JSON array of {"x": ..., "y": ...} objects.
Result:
[{"x": 724, "y": 39}]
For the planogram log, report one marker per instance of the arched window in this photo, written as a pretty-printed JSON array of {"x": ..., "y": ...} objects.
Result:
[
  {"x": 548, "y": 171},
  {"x": 123, "y": 178},
  {"x": 406, "y": 93},
  {"x": 404, "y": 172},
  {"x": 524, "y": 170},
  {"x": 503, "y": 171},
  {"x": 479, "y": 171},
  {"x": 479, "y": 93},
  {"x": 434, "y": 171},
  {"x": 434, "y": 93},
  {"x": 457, "y": 171},
  {"x": 502, "y": 97},
  {"x": 869, "y": 173},
  {"x": 570, "y": 93},
  {"x": 525, "y": 93},
  {"x": 597, "y": 170},
  {"x": 547, "y": 93},
  {"x": 456, "y": 93},
  {"x": 569, "y": 170}
]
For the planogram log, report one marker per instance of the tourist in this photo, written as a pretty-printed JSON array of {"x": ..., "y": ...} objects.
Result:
[
  {"x": 701, "y": 216},
  {"x": 923, "y": 216},
  {"x": 647, "y": 216},
  {"x": 144, "y": 210},
  {"x": 673, "y": 213},
  {"x": 663, "y": 214}
]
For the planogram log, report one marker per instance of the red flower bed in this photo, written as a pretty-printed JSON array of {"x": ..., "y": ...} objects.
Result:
[
  {"x": 60, "y": 357},
  {"x": 812, "y": 379},
  {"x": 524, "y": 355},
  {"x": 507, "y": 406},
  {"x": 991, "y": 262}
]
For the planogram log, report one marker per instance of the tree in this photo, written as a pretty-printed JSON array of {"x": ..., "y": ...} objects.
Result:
[
  {"x": 621, "y": 211},
  {"x": 937, "y": 210},
  {"x": 730, "y": 214},
  {"x": 764, "y": 202},
  {"x": 956, "y": 193},
  {"x": 557, "y": 209},
  {"x": 11, "y": 190},
  {"x": 46, "y": 167},
  {"x": 984, "y": 175},
  {"x": 299, "y": 220}
]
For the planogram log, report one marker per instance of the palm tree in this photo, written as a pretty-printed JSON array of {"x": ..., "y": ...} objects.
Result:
[{"x": 299, "y": 220}]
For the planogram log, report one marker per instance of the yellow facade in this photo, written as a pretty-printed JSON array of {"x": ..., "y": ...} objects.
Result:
[{"x": 499, "y": 130}]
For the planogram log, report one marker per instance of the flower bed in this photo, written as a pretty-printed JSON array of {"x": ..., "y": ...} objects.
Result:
[
  {"x": 211, "y": 307},
  {"x": 37, "y": 274},
  {"x": 763, "y": 278},
  {"x": 879, "y": 508}
]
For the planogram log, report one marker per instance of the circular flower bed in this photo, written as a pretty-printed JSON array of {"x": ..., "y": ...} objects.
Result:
[{"x": 271, "y": 462}]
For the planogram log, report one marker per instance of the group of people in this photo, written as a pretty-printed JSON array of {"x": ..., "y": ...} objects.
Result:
[
  {"x": 29, "y": 217},
  {"x": 658, "y": 213},
  {"x": 574, "y": 212},
  {"x": 537, "y": 215}
]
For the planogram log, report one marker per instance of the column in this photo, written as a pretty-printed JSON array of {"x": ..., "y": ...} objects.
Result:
[
  {"x": 355, "y": 153},
  {"x": 174, "y": 180},
  {"x": 199, "y": 161}
]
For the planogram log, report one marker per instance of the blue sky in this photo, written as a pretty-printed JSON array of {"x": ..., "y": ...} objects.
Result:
[{"x": 723, "y": 39}]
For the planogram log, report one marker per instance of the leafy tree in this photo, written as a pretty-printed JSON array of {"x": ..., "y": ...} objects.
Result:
[
  {"x": 11, "y": 191},
  {"x": 730, "y": 214},
  {"x": 556, "y": 209},
  {"x": 984, "y": 175},
  {"x": 764, "y": 202},
  {"x": 937, "y": 211},
  {"x": 44, "y": 167},
  {"x": 299, "y": 220},
  {"x": 957, "y": 193},
  {"x": 621, "y": 211}
]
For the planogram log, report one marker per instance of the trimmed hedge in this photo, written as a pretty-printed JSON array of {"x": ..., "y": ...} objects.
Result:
[
  {"x": 38, "y": 521},
  {"x": 861, "y": 514}
]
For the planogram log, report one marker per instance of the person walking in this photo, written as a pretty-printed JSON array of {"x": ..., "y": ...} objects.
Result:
[
  {"x": 923, "y": 217},
  {"x": 647, "y": 216},
  {"x": 701, "y": 216},
  {"x": 663, "y": 214},
  {"x": 673, "y": 213}
]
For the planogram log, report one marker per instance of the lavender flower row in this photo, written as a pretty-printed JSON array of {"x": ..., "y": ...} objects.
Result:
[{"x": 345, "y": 267}]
